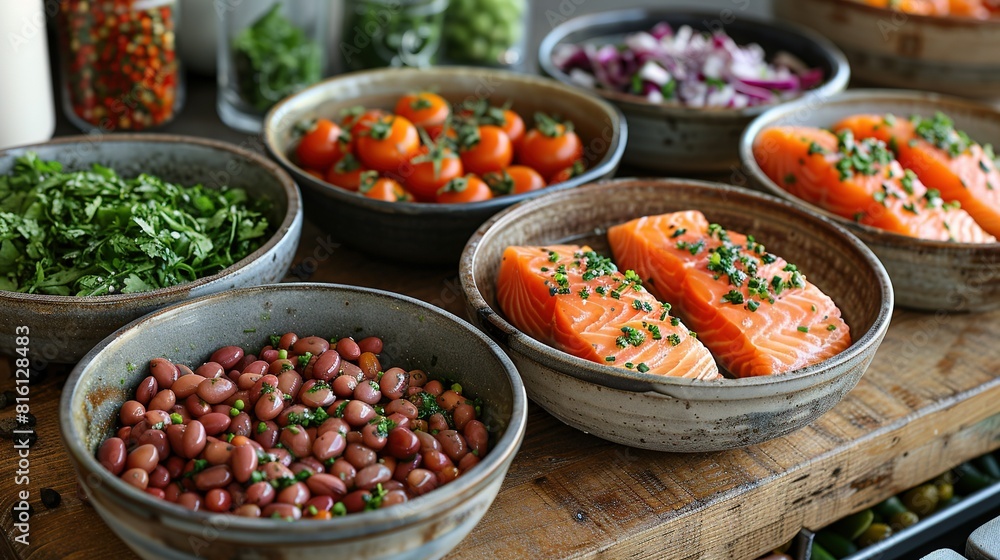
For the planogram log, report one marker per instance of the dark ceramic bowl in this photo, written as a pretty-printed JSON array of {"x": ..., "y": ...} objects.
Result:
[
  {"x": 421, "y": 232},
  {"x": 927, "y": 275},
  {"x": 64, "y": 328},
  {"x": 674, "y": 138},
  {"x": 669, "y": 413},
  {"x": 416, "y": 334}
]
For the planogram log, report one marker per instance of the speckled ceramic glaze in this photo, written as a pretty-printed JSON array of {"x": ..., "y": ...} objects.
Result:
[
  {"x": 421, "y": 232},
  {"x": 416, "y": 334},
  {"x": 889, "y": 48},
  {"x": 667, "y": 413},
  {"x": 671, "y": 138},
  {"x": 64, "y": 328},
  {"x": 927, "y": 275}
]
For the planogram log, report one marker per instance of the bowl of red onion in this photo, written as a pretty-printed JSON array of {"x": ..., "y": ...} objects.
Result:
[{"x": 689, "y": 82}]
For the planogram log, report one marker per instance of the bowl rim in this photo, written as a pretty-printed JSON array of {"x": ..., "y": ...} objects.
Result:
[
  {"x": 831, "y": 84},
  {"x": 637, "y": 382},
  {"x": 604, "y": 167},
  {"x": 937, "y": 21},
  {"x": 384, "y": 519},
  {"x": 293, "y": 214},
  {"x": 765, "y": 120}
]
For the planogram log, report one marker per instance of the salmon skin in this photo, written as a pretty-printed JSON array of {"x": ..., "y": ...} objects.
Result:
[
  {"x": 758, "y": 314},
  {"x": 573, "y": 299},
  {"x": 861, "y": 181},
  {"x": 943, "y": 158}
]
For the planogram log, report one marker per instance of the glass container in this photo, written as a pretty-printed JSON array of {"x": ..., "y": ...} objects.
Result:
[
  {"x": 379, "y": 33},
  {"x": 486, "y": 33}
]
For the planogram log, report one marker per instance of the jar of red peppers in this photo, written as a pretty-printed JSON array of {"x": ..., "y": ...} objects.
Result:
[{"x": 120, "y": 69}]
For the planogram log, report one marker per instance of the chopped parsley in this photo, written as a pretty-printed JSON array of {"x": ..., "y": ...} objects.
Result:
[
  {"x": 803, "y": 329},
  {"x": 734, "y": 297},
  {"x": 642, "y": 367},
  {"x": 641, "y": 305},
  {"x": 674, "y": 339},
  {"x": 831, "y": 327},
  {"x": 940, "y": 131},
  {"x": 679, "y": 232},
  {"x": 631, "y": 336}
]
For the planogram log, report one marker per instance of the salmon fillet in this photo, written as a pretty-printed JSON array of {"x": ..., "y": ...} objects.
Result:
[
  {"x": 860, "y": 180},
  {"x": 570, "y": 298},
  {"x": 756, "y": 313},
  {"x": 943, "y": 158}
]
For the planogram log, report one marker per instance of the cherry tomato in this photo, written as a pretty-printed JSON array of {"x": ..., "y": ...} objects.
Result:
[
  {"x": 346, "y": 173},
  {"x": 358, "y": 120},
  {"x": 321, "y": 147},
  {"x": 383, "y": 188},
  {"x": 389, "y": 143},
  {"x": 464, "y": 189},
  {"x": 484, "y": 149},
  {"x": 550, "y": 147},
  {"x": 432, "y": 170},
  {"x": 568, "y": 173},
  {"x": 423, "y": 109},
  {"x": 513, "y": 125},
  {"x": 516, "y": 179}
]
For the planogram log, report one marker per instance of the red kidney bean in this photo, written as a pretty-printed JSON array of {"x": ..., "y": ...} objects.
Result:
[
  {"x": 371, "y": 344},
  {"x": 194, "y": 440},
  {"x": 357, "y": 500},
  {"x": 437, "y": 422},
  {"x": 218, "y": 500},
  {"x": 399, "y": 420},
  {"x": 269, "y": 355},
  {"x": 234, "y": 375},
  {"x": 156, "y": 492},
  {"x": 164, "y": 400},
  {"x": 240, "y": 425},
  {"x": 154, "y": 417},
  {"x": 215, "y": 423},
  {"x": 138, "y": 430},
  {"x": 358, "y": 413},
  {"x": 275, "y": 470},
  {"x": 164, "y": 372},
  {"x": 217, "y": 453},
  {"x": 243, "y": 462},
  {"x": 368, "y": 477},
  {"x": 359, "y": 455},
  {"x": 298, "y": 466},
  {"x": 418, "y": 378},
  {"x": 175, "y": 437},
  {"x": 296, "y": 440},
  {"x": 314, "y": 464},
  {"x": 190, "y": 500},
  {"x": 197, "y": 407},
  {"x": 146, "y": 390},
  {"x": 338, "y": 425},
  {"x": 468, "y": 462},
  {"x": 421, "y": 481},
  {"x": 288, "y": 340},
  {"x": 354, "y": 437},
  {"x": 403, "y": 468},
  {"x": 283, "y": 419},
  {"x": 447, "y": 475},
  {"x": 280, "y": 455},
  {"x": 436, "y": 460},
  {"x": 222, "y": 409},
  {"x": 402, "y": 406},
  {"x": 348, "y": 349},
  {"x": 368, "y": 391},
  {"x": 462, "y": 414},
  {"x": 326, "y": 485},
  {"x": 343, "y": 470},
  {"x": 343, "y": 386},
  {"x": 258, "y": 367},
  {"x": 132, "y": 412},
  {"x": 218, "y": 476},
  {"x": 240, "y": 395},
  {"x": 187, "y": 385},
  {"x": 159, "y": 477},
  {"x": 260, "y": 493},
  {"x": 247, "y": 381},
  {"x": 348, "y": 368},
  {"x": 112, "y": 455},
  {"x": 316, "y": 394},
  {"x": 449, "y": 399},
  {"x": 172, "y": 492},
  {"x": 419, "y": 425},
  {"x": 297, "y": 494},
  {"x": 280, "y": 365},
  {"x": 402, "y": 443},
  {"x": 373, "y": 438},
  {"x": 158, "y": 439},
  {"x": 268, "y": 437},
  {"x": 210, "y": 370},
  {"x": 248, "y": 510},
  {"x": 124, "y": 433},
  {"x": 136, "y": 477},
  {"x": 477, "y": 437},
  {"x": 246, "y": 360},
  {"x": 427, "y": 441},
  {"x": 393, "y": 383},
  {"x": 289, "y": 382},
  {"x": 269, "y": 405},
  {"x": 369, "y": 364},
  {"x": 183, "y": 370},
  {"x": 216, "y": 390},
  {"x": 433, "y": 387},
  {"x": 284, "y": 511},
  {"x": 329, "y": 444},
  {"x": 388, "y": 461},
  {"x": 227, "y": 356},
  {"x": 326, "y": 366},
  {"x": 452, "y": 444},
  {"x": 312, "y": 344},
  {"x": 392, "y": 498},
  {"x": 321, "y": 503},
  {"x": 258, "y": 387}
]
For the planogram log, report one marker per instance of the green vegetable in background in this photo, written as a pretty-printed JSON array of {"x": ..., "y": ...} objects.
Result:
[
  {"x": 853, "y": 525},
  {"x": 378, "y": 33},
  {"x": 819, "y": 553},
  {"x": 987, "y": 465},
  {"x": 876, "y": 533},
  {"x": 921, "y": 500},
  {"x": 835, "y": 544},
  {"x": 273, "y": 59},
  {"x": 969, "y": 479},
  {"x": 91, "y": 233},
  {"x": 484, "y": 32},
  {"x": 889, "y": 507}
]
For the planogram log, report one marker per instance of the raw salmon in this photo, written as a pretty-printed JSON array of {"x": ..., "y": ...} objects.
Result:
[
  {"x": 943, "y": 158},
  {"x": 860, "y": 181},
  {"x": 569, "y": 297},
  {"x": 757, "y": 313}
]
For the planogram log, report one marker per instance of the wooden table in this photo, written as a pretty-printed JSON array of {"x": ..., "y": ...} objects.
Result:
[{"x": 930, "y": 400}]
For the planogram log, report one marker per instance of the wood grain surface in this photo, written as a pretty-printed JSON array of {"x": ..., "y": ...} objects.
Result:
[{"x": 930, "y": 401}]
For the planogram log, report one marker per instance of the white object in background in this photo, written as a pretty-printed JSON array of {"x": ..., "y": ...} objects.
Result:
[
  {"x": 984, "y": 542},
  {"x": 199, "y": 32},
  {"x": 27, "y": 113}
]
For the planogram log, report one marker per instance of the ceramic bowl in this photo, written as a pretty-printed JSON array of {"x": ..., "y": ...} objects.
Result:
[
  {"x": 671, "y": 138},
  {"x": 927, "y": 275},
  {"x": 416, "y": 334},
  {"x": 421, "y": 232},
  {"x": 668, "y": 413},
  {"x": 889, "y": 48},
  {"x": 64, "y": 328}
]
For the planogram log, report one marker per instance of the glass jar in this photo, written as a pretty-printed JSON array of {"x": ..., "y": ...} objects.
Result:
[
  {"x": 268, "y": 50},
  {"x": 119, "y": 63},
  {"x": 486, "y": 33},
  {"x": 380, "y": 33}
]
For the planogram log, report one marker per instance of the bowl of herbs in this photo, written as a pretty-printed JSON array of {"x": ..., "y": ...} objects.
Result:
[{"x": 96, "y": 232}]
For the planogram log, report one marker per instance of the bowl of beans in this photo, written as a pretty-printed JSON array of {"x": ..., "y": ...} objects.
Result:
[{"x": 294, "y": 420}]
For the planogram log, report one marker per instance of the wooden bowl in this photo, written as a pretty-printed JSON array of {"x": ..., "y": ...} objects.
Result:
[
  {"x": 673, "y": 138},
  {"x": 889, "y": 48},
  {"x": 421, "y": 232},
  {"x": 927, "y": 275},
  {"x": 64, "y": 328},
  {"x": 416, "y": 334},
  {"x": 668, "y": 413}
]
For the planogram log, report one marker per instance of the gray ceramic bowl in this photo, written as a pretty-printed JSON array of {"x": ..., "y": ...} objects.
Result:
[
  {"x": 668, "y": 413},
  {"x": 64, "y": 328},
  {"x": 432, "y": 233},
  {"x": 927, "y": 275},
  {"x": 673, "y": 138},
  {"x": 955, "y": 55},
  {"x": 416, "y": 334}
]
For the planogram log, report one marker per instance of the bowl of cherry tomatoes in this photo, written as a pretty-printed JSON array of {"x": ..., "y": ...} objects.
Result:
[{"x": 405, "y": 164}]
